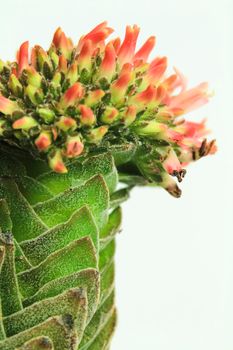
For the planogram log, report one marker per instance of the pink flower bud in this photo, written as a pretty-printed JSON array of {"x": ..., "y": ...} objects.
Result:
[
  {"x": 74, "y": 146},
  {"x": 87, "y": 116},
  {"x": 110, "y": 115},
  {"x": 63, "y": 64},
  {"x": 71, "y": 96},
  {"x": 43, "y": 141},
  {"x": 56, "y": 163},
  {"x": 129, "y": 115},
  {"x": 96, "y": 135},
  {"x": 94, "y": 97},
  {"x": 66, "y": 123},
  {"x": 25, "y": 123}
]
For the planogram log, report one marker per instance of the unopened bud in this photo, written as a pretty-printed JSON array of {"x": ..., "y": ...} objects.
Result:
[
  {"x": 7, "y": 106},
  {"x": 94, "y": 97},
  {"x": 110, "y": 115},
  {"x": 43, "y": 141},
  {"x": 108, "y": 65},
  {"x": 84, "y": 57},
  {"x": 24, "y": 123},
  {"x": 2, "y": 127},
  {"x": 96, "y": 135},
  {"x": 119, "y": 87},
  {"x": 71, "y": 96},
  {"x": 15, "y": 85},
  {"x": 66, "y": 123},
  {"x": 72, "y": 74},
  {"x": 56, "y": 79},
  {"x": 33, "y": 77},
  {"x": 129, "y": 115},
  {"x": 56, "y": 162},
  {"x": 47, "y": 115},
  {"x": 74, "y": 146},
  {"x": 34, "y": 94},
  {"x": 87, "y": 116},
  {"x": 151, "y": 128}
]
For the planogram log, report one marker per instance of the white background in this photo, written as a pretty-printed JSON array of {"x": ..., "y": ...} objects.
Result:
[{"x": 175, "y": 256}]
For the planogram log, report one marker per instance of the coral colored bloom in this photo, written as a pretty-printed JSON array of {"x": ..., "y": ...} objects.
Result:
[
  {"x": 156, "y": 70},
  {"x": 190, "y": 99},
  {"x": 108, "y": 65},
  {"x": 172, "y": 163},
  {"x": 143, "y": 53},
  {"x": 126, "y": 51},
  {"x": 96, "y": 35},
  {"x": 103, "y": 93}
]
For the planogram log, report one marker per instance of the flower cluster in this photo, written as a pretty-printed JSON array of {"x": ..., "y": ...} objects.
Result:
[{"x": 71, "y": 99}]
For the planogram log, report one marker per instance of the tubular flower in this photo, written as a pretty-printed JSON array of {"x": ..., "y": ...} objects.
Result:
[{"x": 72, "y": 100}]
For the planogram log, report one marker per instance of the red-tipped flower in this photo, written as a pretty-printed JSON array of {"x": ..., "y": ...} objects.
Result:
[
  {"x": 144, "y": 52},
  {"x": 126, "y": 51},
  {"x": 108, "y": 65},
  {"x": 23, "y": 57},
  {"x": 87, "y": 116},
  {"x": 71, "y": 96}
]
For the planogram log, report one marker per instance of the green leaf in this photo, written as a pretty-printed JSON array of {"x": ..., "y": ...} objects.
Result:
[
  {"x": 118, "y": 197},
  {"x": 26, "y": 224},
  {"x": 9, "y": 291},
  {"x": 5, "y": 220},
  {"x": 67, "y": 303},
  {"x": 107, "y": 254},
  {"x": 21, "y": 262},
  {"x": 123, "y": 153},
  {"x": 98, "y": 322},
  {"x": 111, "y": 228},
  {"x": 88, "y": 280},
  {"x": 79, "y": 172},
  {"x": 103, "y": 340},
  {"x": 39, "y": 343},
  {"x": 33, "y": 190},
  {"x": 80, "y": 224},
  {"x": 10, "y": 166},
  {"x": 93, "y": 193},
  {"x": 76, "y": 256},
  {"x": 2, "y": 331},
  {"x": 107, "y": 282},
  {"x": 60, "y": 333}
]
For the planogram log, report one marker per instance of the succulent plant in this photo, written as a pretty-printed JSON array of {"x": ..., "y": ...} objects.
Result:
[{"x": 75, "y": 121}]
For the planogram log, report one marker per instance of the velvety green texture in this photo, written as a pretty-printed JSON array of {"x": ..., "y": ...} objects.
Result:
[{"x": 57, "y": 253}]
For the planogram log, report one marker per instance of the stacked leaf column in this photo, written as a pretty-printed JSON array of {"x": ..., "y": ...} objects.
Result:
[{"x": 56, "y": 251}]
